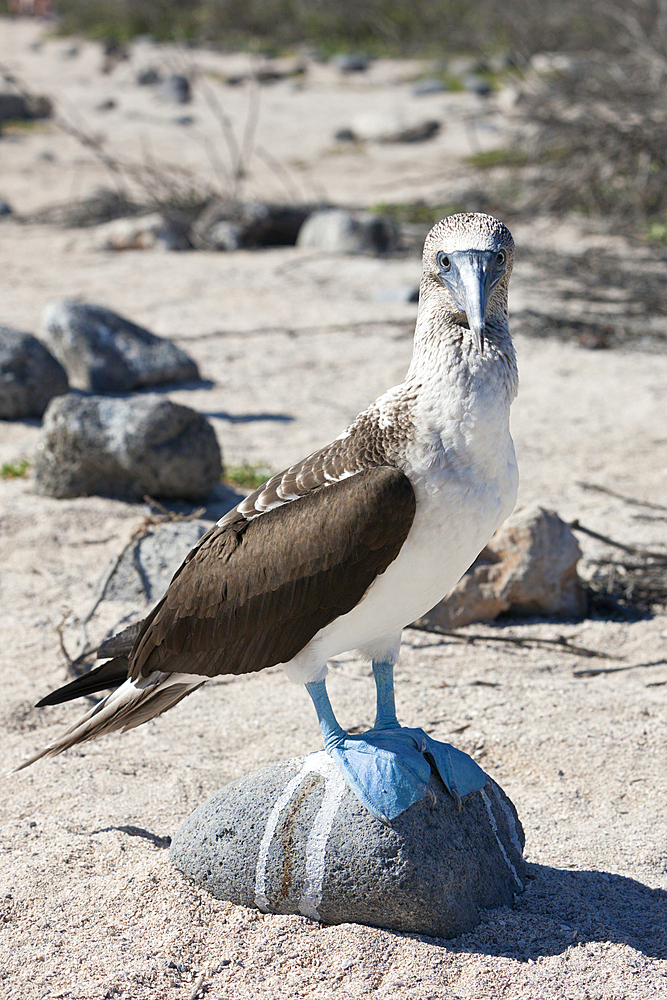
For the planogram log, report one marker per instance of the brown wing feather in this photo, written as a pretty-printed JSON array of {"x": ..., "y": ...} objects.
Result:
[{"x": 253, "y": 593}]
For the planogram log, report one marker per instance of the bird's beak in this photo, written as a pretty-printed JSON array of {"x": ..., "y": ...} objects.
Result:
[{"x": 473, "y": 288}]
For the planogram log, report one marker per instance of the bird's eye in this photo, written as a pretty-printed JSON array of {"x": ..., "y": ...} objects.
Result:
[
  {"x": 500, "y": 259},
  {"x": 443, "y": 262}
]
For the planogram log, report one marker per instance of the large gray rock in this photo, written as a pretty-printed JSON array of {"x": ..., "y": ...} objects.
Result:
[
  {"x": 146, "y": 567},
  {"x": 339, "y": 231},
  {"x": 293, "y": 838},
  {"x": 528, "y": 568},
  {"x": 126, "y": 447},
  {"x": 29, "y": 375},
  {"x": 103, "y": 352}
]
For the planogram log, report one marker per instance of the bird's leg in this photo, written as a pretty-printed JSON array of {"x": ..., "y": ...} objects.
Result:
[
  {"x": 387, "y": 779},
  {"x": 385, "y": 717},
  {"x": 333, "y": 734},
  {"x": 388, "y": 768}
]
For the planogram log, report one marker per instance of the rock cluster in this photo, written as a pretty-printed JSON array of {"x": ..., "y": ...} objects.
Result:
[{"x": 226, "y": 226}]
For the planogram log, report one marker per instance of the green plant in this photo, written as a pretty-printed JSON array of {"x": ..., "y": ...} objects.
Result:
[
  {"x": 14, "y": 470},
  {"x": 247, "y": 476},
  {"x": 657, "y": 232},
  {"x": 490, "y": 158},
  {"x": 415, "y": 211}
]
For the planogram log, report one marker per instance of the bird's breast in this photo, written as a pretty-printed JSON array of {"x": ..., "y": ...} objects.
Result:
[{"x": 456, "y": 515}]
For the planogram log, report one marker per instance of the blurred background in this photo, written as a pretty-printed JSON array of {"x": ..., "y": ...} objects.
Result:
[{"x": 584, "y": 79}]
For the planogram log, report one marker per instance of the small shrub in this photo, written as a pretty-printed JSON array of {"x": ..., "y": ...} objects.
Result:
[
  {"x": 419, "y": 212},
  {"x": 490, "y": 158},
  {"x": 247, "y": 476},
  {"x": 14, "y": 470}
]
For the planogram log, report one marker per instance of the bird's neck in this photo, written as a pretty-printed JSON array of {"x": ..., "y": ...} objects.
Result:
[{"x": 456, "y": 398}]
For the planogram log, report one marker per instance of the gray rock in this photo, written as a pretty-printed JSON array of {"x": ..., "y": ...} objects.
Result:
[
  {"x": 29, "y": 375},
  {"x": 345, "y": 135},
  {"x": 24, "y": 106},
  {"x": 350, "y": 62},
  {"x": 12, "y": 106},
  {"x": 529, "y": 567},
  {"x": 225, "y": 225},
  {"x": 127, "y": 447},
  {"x": 433, "y": 85},
  {"x": 147, "y": 77},
  {"x": 145, "y": 569},
  {"x": 103, "y": 352},
  {"x": 339, "y": 231},
  {"x": 391, "y": 127},
  {"x": 175, "y": 89},
  {"x": 293, "y": 838}
]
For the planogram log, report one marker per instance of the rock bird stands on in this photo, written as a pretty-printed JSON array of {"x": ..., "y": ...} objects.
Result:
[{"x": 350, "y": 545}]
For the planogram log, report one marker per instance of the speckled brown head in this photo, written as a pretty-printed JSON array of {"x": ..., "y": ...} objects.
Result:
[{"x": 468, "y": 260}]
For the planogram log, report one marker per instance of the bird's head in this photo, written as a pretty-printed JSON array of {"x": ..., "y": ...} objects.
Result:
[{"x": 467, "y": 263}]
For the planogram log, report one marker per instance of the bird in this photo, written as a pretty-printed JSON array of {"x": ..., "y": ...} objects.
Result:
[{"x": 347, "y": 547}]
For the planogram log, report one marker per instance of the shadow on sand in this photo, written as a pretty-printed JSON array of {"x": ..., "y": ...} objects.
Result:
[{"x": 561, "y": 908}]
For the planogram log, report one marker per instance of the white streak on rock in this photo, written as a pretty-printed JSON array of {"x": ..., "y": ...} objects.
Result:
[
  {"x": 494, "y": 827},
  {"x": 319, "y": 835},
  {"x": 511, "y": 821}
]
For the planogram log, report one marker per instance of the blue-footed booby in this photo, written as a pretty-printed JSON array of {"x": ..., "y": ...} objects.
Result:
[{"x": 347, "y": 547}]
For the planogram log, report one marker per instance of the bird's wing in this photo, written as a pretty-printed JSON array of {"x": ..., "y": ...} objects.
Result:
[
  {"x": 351, "y": 453},
  {"x": 121, "y": 643},
  {"x": 255, "y": 591}
]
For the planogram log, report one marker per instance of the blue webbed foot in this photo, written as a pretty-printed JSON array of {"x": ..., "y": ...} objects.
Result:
[
  {"x": 388, "y": 767},
  {"x": 386, "y": 770},
  {"x": 458, "y": 771}
]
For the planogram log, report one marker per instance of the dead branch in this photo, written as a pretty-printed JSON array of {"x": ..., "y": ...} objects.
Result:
[
  {"x": 594, "y": 671},
  {"x": 660, "y": 557},
  {"x": 621, "y": 496},
  {"x": 562, "y": 643}
]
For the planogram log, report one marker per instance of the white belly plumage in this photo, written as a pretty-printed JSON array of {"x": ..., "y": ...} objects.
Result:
[{"x": 451, "y": 526}]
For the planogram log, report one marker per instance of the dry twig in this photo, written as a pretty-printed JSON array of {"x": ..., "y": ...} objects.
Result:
[
  {"x": 594, "y": 671},
  {"x": 562, "y": 644},
  {"x": 660, "y": 557},
  {"x": 621, "y": 496}
]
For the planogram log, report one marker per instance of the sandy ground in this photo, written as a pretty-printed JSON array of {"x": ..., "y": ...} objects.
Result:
[{"x": 292, "y": 344}]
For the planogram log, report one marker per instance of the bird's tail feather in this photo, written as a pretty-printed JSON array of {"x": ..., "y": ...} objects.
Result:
[{"x": 133, "y": 703}]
